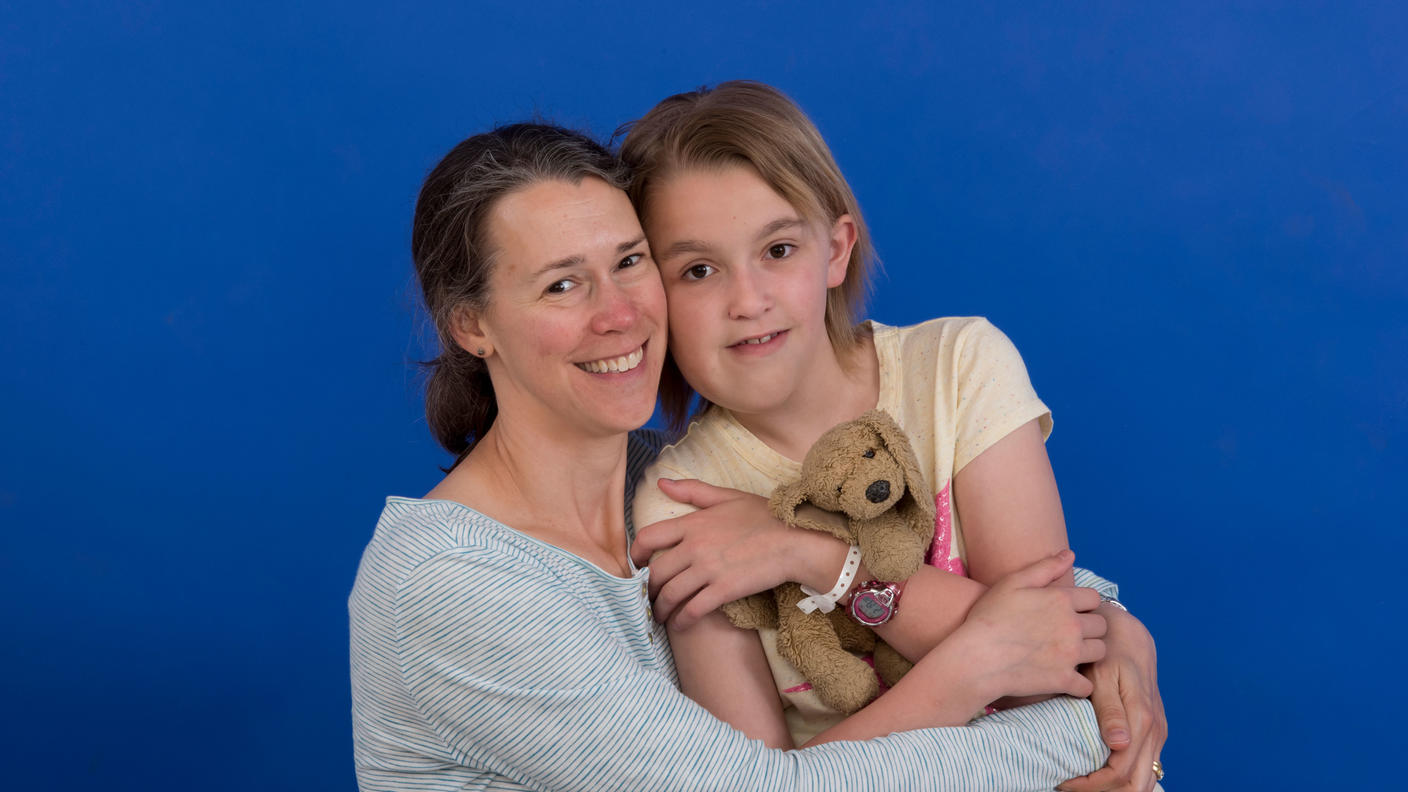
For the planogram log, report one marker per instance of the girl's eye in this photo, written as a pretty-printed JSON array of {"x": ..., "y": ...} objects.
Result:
[
  {"x": 561, "y": 287},
  {"x": 780, "y": 250},
  {"x": 698, "y": 272}
]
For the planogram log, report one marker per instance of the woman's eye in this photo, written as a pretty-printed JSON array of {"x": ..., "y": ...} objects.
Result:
[
  {"x": 781, "y": 250},
  {"x": 560, "y": 287},
  {"x": 629, "y": 261},
  {"x": 699, "y": 272}
]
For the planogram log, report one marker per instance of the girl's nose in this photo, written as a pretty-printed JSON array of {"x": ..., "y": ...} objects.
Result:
[{"x": 749, "y": 294}]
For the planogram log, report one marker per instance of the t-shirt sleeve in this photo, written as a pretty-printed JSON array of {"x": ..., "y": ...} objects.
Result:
[
  {"x": 649, "y": 504},
  {"x": 521, "y": 680},
  {"x": 995, "y": 395}
]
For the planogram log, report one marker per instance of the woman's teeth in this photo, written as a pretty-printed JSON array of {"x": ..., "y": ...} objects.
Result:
[{"x": 614, "y": 365}]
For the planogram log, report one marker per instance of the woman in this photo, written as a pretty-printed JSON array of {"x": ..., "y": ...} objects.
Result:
[{"x": 501, "y": 637}]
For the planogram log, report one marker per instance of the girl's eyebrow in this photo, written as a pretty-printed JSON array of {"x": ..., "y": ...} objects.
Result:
[
  {"x": 697, "y": 246},
  {"x": 680, "y": 247},
  {"x": 780, "y": 224}
]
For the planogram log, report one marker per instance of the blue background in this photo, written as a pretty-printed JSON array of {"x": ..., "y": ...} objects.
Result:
[{"x": 1192, "y": 220}]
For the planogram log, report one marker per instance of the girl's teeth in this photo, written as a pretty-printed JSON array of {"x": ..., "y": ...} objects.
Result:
[{"x": 762, "y": 340}]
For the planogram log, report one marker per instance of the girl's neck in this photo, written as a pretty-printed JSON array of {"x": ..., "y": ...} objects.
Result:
[
  {"x": 838, "y": 389},
  {"x": 517, "y": 477}
]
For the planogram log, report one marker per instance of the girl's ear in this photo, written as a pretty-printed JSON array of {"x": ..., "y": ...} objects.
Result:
[
  {"x": 843, "y": 239},
  {"x": 467, "y": 328}
]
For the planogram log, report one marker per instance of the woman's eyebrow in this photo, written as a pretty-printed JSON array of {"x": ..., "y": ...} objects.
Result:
[
  {"x": 579, "y": 260},
  {"x": 625, "y": 246}
]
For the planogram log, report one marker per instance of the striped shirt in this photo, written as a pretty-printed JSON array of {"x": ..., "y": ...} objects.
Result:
[{"x": 483, "y": 658}]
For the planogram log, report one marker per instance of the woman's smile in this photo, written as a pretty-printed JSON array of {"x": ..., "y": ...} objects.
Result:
[{"x": 618, "y": 364}]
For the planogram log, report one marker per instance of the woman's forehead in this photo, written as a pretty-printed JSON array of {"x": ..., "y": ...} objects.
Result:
[{"x": 549, "y": 222}]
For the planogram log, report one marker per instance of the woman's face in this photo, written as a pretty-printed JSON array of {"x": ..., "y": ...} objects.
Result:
[{"x": 574, "y": 327}]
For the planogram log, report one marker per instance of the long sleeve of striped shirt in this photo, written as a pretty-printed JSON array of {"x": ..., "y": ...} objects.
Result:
[{"x": 485, "y": 659}]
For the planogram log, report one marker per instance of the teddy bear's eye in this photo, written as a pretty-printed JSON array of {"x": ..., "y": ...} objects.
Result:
[
  {"x": 869, "y": 453},
  {"x": 838, "y": 490}
]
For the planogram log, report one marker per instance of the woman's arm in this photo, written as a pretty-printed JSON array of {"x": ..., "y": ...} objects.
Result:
[{"x": 533, "y": 689}]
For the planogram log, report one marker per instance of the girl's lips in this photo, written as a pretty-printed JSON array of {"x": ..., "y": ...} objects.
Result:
[{"x": 759, "y": 343}]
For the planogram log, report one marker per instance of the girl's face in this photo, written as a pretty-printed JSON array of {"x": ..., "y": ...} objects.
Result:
[
  {"x": 746, "y": 276},
  {"x": 574, "y": 326}
]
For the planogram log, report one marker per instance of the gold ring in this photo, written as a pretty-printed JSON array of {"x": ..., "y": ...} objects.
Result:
[{"x": 1158, "y": 770}]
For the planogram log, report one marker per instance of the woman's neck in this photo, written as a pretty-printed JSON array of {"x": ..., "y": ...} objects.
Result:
[
  {"x": 838, "y": 389},
  {"x": 568, "y": 492}
]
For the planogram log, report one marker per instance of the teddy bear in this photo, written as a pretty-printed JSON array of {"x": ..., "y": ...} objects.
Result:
[{"x": 866, "y": 471}]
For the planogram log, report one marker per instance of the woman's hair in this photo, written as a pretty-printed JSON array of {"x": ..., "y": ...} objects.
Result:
[
  {"x": 453, "y": 256},
  {"x": 749, "y": 123}
]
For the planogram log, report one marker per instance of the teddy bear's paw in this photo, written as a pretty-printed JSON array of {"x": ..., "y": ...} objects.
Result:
[{"x": 847, "y": 685}]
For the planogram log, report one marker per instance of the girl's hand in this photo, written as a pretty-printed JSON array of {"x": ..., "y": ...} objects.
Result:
[
  {"x": 731, "y": 547},
  {"x": 1128, "y": 706},
  {"x": 1029, "y": 637}
]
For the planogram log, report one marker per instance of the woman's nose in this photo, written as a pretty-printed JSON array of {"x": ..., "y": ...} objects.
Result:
[
  {"x": 749, "y": 294},
  {"x": 616, "y": 310}
]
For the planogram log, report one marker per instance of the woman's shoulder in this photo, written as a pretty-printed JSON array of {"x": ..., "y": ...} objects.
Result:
[{"x": 414, "y": 533}]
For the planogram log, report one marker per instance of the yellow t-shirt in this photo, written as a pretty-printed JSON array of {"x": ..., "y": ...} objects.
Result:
[{"x": 955, "y": 385}]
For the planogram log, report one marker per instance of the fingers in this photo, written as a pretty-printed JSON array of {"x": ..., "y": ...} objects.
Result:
[
  {"x": 1098, "y": 781},
  {"x": 1092, "y": 625},
  {"x": 1039, "y": 573},
  {"x": 675, "y": 592},
  {"x": 1092, "y": 650},
  {"x": 1077, "y": 685},
  {"x": 1110, "y": 712},
  {"x": 655, "y": 537},
  {"x": 695, "y": 492},
  {"x": 1085, "y": 599}
]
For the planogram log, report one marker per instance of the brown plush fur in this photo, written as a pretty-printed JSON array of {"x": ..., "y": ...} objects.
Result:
[{"x": 893, "y": 533}]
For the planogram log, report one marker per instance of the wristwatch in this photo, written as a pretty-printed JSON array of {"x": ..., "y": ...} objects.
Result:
[{"x": 874, "y": 602}]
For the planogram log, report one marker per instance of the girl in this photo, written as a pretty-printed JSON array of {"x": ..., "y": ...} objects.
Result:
[{"x": 765, "y": 258}]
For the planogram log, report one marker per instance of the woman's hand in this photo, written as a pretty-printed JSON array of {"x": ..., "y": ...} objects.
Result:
[
  {"x": 1128, "y": 706},
  {"x": 731, "y": 547},
  {"x": 1028, "y": 636}
]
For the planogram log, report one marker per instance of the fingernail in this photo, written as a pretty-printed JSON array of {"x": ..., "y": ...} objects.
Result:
[{"x": 1119, "y": 735}]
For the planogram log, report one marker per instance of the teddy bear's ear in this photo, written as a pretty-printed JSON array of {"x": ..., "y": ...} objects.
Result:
[
  {"x": 785, "y": 500},
  {"x": 897, "y": 443}
]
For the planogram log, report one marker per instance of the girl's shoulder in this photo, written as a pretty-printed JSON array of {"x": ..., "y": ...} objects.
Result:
[{"x": 943, "y": 341}]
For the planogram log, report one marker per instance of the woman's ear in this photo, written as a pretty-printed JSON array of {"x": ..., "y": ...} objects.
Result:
[
  {"x": 843, "y": 240},
  {"x": 467, "y": 328}
]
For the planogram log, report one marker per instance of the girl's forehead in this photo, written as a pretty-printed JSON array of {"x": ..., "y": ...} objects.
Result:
[{"x": 732, "y": 196}]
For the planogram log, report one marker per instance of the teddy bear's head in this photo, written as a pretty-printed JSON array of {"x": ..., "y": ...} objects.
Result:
[
  {"x": 853, "y": 469},
  {"x": 863, "y": 469}
]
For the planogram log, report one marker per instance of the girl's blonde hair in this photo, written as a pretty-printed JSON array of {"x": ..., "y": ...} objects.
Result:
[{"x": 748, "y": 123}]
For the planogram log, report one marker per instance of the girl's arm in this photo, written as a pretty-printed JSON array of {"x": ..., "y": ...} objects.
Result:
[
  {"x": 1024, "y": 637},
  {"x": 1009, "y": 505}
]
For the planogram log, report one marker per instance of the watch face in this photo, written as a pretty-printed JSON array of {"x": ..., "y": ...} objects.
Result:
[{"x": 869, "y": 609}]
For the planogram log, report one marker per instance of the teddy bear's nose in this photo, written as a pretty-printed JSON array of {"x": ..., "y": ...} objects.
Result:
[{"x": 878, "y": 491}]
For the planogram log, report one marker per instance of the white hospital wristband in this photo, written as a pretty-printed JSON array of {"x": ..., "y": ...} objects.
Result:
[{"x": 827, "y": 602}]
